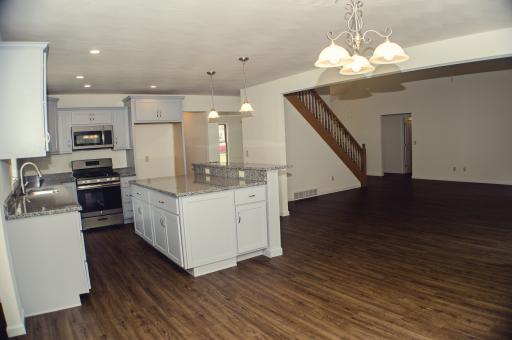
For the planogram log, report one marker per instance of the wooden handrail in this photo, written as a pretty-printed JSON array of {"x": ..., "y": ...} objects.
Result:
[{"x": 320, "y": 116}]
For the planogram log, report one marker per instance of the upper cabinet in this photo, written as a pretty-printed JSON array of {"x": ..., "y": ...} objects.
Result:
[
  {"x": 155, "y": 109},
  {"x": 121, "y": 123},
  {"x": 23, "y": 125},
  {"x": 92, "y": 117}
]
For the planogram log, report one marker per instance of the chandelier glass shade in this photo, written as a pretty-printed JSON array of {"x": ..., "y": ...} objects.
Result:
[{"x": 337, "y": 56}]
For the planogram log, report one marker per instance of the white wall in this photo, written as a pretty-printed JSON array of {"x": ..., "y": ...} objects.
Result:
[
  {"x": 264, "y": 134},
  {"x": 154, "y": 152},
  {"x": 8, "y": 292},
  {"x": 315, "y": 165},
  {"x": 462, "y": 121}
]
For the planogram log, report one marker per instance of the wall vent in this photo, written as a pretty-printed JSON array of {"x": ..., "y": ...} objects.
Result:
[{"x": 305, "y": 194}]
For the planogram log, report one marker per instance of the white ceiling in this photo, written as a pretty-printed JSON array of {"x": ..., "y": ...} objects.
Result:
[{"x": 173, "y": 43}]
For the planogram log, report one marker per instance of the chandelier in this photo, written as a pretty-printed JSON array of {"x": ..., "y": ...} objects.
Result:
[{"x": 336, "y": 56}]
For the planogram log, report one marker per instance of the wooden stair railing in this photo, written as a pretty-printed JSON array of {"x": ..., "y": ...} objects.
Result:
[{"x": 320, "y": 116}]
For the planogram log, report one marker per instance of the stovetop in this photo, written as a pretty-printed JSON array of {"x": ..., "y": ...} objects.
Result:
[{"x": 95, "y": 174}]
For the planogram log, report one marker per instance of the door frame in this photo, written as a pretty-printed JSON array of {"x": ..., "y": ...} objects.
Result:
[{"x": 406, "y": 114}]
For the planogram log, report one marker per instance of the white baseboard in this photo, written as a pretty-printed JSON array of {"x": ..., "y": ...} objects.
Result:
[
  {"x": 284, "y": 213},
  {"x": 16, "y": 330},
  {"x": 464, "y": 180},
  {"x": 273, "y": 252}
]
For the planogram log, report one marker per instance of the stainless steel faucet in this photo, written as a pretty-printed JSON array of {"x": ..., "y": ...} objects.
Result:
[{"x": 22, "y": 180}]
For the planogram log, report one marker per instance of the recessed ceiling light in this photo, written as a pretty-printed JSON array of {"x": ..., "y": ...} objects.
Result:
[
  {"x": 79, "y": 77},
  {"x": 94, "y": 51},
  {"x": 153, "y": 86},
  {"x": 87, "y": 85}
]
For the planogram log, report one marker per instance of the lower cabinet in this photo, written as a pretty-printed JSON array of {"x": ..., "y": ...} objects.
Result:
[
  {"x": 251, "y": 228},
  {"x": 203, "y": 232}
]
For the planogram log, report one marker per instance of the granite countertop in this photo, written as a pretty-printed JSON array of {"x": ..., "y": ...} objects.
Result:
[
  {"x": 63, "y": 201},
  {"x": 244, "y": 166},
  {"x": 188, "y": 185},
  {"x": 126, "y": 172}
]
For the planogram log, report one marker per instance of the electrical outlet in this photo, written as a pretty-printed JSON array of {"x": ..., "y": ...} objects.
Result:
[
  {"x": 207, "y": 171},
  {"x": 246, "y": 153},
  {"x": 146, "y": 159},
  {"x": 241, "y": 173}
]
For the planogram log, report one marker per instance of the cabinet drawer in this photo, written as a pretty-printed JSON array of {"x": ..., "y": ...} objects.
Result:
[
  {"x": 164, "y": 202},
  {"x": 249, "y": 195},
  {"x": 140, "y": 193}
]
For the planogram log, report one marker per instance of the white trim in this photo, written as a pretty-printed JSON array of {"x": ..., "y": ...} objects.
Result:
[
  {"x": 249, "y": 255},
  {"x": 273, "y": 252},
  {"x": 212, "y": 267},
  {"x": 54, "y": 309},
  {"x": 327, "y": 192},
  {"x": 284, "y": 213},
  {"x": 16, "y": 330},
  {"x": 464, "y": 180}
]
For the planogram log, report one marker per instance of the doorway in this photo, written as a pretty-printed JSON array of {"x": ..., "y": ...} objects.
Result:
[
  {"x": 223, "y": 143},
  {"x": 397, "y": 143}
]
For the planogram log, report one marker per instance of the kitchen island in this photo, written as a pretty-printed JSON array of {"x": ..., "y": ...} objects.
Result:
[{"x": 205, "y": 223}]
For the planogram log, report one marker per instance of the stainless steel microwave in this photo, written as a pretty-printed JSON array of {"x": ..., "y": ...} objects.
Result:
[{"x": 92, "y": 137}]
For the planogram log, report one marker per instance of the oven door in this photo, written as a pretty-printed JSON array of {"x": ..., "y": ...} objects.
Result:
[{"x": 100, "y": 199}]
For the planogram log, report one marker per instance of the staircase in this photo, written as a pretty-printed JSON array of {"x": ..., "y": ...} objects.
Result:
[{"x": 320, "y": 116}]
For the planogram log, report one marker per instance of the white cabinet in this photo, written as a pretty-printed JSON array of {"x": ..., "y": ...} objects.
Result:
[
  {"x": 175, "y": 250},
  {"x": 251, "y": 228},
  {"x": 23, "y": 126},
  {"x": 91, "y": 117},
  {"x": 120, "y": 121},
  {"x": 138, "y": 216},
  {"x": 142, "y": 220},
  {"x": 53, "y": 125},
  {"x": 160, "y": 228},
  {"x": 155, "y": 109},
  {"x": 205, "y": 232},
  {"x": 126, "y": 195},
  {"x": 210, "y": 230},
  {"x": 64, "y": 131}
]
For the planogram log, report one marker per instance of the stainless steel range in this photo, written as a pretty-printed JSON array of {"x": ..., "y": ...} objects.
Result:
[{"x": 99, "y": 192}]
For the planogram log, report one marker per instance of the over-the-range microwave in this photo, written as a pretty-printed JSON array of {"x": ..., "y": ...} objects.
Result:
[{"x": 92, "y": 137}]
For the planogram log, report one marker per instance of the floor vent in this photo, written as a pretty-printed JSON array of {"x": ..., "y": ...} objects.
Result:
[{"x": 305, "y": 194}]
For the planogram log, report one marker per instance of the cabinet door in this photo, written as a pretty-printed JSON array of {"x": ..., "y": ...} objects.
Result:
[
  {"x": 121, "y": 131},
  {"x": 171, "y": 110},
  {"x": 146, "y": 110},
  {"x": 172, "y": 223},
  {"x": 159, "y": 222},
  {"x": 82, "y": 118},
  {"x": 102, "y": 117},
  {"x": 23, "y": 130},
  {"x": 148, "y": 224},
  {"x": 138, "y": 216},
  {"x": 53, "y": 126},
  {"x": 64, "y": 127},
  {"x": 209, "y": 228},
  {"x": 251, "y": 227}
]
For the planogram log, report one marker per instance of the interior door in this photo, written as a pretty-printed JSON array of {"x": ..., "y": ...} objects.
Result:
[{"x": 407, "y": 144}]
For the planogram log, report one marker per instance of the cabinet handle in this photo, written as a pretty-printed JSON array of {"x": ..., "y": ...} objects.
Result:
[
  {"x": 239, "y": 218},
  {"x": 116, "y": 140},
  {"x": 140, "y": 211},
  {"x": 252, "y": 195},
  {"x": 161, "y": 202},
  {"x": 138, "y": 193},
  {"x": 162, "y": 222}
]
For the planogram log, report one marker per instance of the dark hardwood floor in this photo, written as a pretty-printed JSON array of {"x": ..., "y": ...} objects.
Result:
[{"x": 401, "y": 259}]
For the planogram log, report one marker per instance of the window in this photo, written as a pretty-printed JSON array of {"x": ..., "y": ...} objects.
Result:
[{"x": 223, "y": 143}]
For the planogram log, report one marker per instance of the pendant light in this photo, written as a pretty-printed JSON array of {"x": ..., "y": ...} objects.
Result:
[
  {"x": 246, "y": 108},
  {"x": 213, "y": 115}
]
